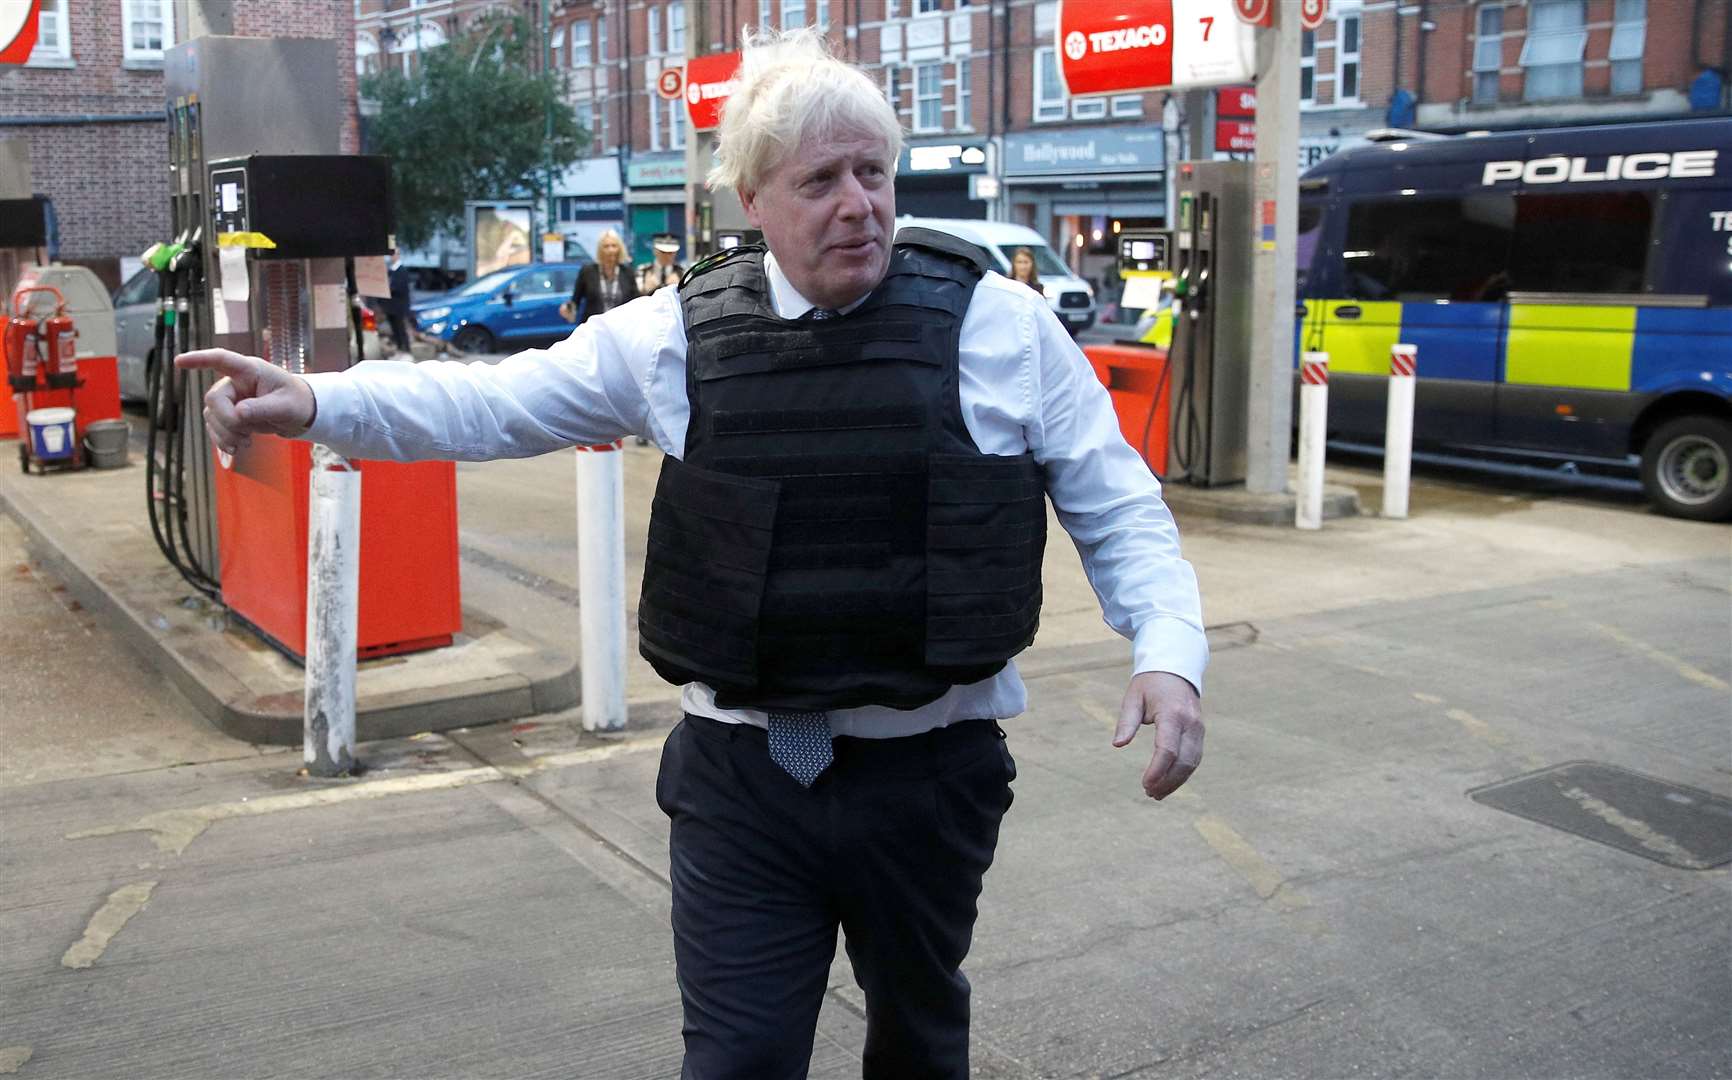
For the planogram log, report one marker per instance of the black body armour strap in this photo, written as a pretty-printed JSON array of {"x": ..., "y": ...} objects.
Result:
[{"x": 833, "y": 537}]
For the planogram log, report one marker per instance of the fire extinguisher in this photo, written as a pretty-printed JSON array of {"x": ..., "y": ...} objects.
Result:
[
  {"x": 59, "y": 350},
  {"x": 21, "y": 353},
  {"x": 48, "y": 344}
]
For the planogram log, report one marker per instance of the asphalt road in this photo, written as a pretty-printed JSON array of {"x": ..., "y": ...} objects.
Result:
[{"x": 1324, "y": 899}]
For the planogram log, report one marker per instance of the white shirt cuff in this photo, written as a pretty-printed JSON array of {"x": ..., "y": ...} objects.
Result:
[
  {"x": 1173, "y": 645},
  {"x": 335, "y": 398}
]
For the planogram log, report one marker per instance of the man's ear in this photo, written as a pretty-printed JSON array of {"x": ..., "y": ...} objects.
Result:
[{"x": 749, "y": 203}]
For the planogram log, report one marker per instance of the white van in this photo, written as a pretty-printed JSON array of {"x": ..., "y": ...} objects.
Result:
[{"x": 1072, "y": 300}]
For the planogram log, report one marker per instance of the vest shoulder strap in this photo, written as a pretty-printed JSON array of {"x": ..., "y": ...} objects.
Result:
[{"x": 945, "y": 243}]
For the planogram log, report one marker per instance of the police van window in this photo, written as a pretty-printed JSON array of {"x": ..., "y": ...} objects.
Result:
[
  {"x": 1414, "y": 249},
  {"x": 1310, "y": 229},
  {"x": 1590, "y": 242}
]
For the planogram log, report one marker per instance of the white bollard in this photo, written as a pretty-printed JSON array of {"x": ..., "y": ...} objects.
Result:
[
  {"x": 333, "y": 609},
  {"x": 1398, "y": 430},
  {"x": 1313, "y": 423},
  {"x": 601, "y": 583}
]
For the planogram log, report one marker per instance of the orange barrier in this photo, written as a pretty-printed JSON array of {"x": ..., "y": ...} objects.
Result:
[{"x": 1137, "y": 379}]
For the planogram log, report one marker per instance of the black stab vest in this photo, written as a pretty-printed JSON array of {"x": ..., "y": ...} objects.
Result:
[{"x": 833, "y": 537}]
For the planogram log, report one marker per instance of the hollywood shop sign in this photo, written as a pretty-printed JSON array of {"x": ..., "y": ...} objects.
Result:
[{"x": 1117, "y": 46}]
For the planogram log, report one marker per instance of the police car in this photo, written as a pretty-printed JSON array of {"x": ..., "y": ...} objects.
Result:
[{"x": 1570, "y": 292}]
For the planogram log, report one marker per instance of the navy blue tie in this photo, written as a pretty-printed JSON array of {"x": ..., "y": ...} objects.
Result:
[
  {"x": 819, "y": 314},
  {"x": 800, "y": 744}
]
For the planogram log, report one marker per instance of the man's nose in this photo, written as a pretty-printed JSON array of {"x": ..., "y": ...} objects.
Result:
[{"x": 854, "y": 202}]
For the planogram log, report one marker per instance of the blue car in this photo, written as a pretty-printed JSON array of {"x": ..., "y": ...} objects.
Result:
[{"x": 513, "y": 307}]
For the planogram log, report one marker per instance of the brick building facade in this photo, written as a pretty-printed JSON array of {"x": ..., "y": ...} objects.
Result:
[{"x": 90, "y": 103}]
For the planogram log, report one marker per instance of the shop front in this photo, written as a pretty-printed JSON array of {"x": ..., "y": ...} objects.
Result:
[
  {"x": 655, "y": 201},
  {"x": 932, "y": 180},
  {"x": 1080, "y": 187},
  {"x": 588, "y": 200}
]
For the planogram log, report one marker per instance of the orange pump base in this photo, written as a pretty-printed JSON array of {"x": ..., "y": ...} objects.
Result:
[
  {"x": 410, "y": 597},
  {"x": 1138, "y": 381}
]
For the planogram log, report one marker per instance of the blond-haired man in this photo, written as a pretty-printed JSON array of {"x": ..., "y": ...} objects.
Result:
[{"x": 861, "y": 431}]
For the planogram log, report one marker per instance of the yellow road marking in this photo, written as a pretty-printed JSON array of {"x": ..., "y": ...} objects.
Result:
[
  {"x": 123, "y": 904},
  {"x": 1236, "y": 851},
  {"x": 1688, "y": 671},
  {"x": 174, "y": 829}
]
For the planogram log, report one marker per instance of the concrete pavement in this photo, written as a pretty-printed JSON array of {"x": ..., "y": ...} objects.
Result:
[{"x": 1323, "y": 899}]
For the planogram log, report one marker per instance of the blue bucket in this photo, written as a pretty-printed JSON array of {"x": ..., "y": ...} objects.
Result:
[{"x": 51, "y": 436}]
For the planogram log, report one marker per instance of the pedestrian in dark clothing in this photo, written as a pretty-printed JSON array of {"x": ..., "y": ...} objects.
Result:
[{"x": 397, "y": 306}]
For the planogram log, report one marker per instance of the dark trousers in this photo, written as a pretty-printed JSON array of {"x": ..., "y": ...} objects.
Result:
[
  {"x": 890, "y": 844},
  {"x": 399, "y": 330}
]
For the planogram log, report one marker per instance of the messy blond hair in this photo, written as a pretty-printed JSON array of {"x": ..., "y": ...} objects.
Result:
[{"x": 792, "y": 88}]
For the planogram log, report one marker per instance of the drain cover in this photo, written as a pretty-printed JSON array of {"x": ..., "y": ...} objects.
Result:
[{"x": 1669, "y": 823}]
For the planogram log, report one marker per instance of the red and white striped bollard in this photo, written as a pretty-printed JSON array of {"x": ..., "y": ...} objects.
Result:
[
  {"x": 1398, "y": 430},
  {"x": 1313, "y": 424},
  {"x": 601, "y": 583}
]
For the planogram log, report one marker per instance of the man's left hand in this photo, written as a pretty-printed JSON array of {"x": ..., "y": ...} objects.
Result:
[{"x": 1171, "y": 704}]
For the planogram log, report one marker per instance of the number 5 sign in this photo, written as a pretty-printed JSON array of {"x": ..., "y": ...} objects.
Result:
[{"x": 1113, "y": 46}]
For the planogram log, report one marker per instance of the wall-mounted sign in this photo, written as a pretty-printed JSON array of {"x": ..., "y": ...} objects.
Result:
[
  {"x": 671, "y": 83},
  {"x": 981, "y": 186},
  {"x": 1089, "y": 150},
  {"x": 18, "y": 22},
  {"x": 709, "y": 81},
  {"x": 1236, "y": 103},
  {"x": 1114, "y": 46},
  {"x": 944, "y": 157},
  {"x": 656, "y": 170},
  {"x": 1312, "y": 13},
  {"x": 1238, "y": 136},
  {"x": 1255, "y": 12}
]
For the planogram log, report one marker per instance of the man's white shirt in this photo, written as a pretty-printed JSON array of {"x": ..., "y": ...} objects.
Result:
[{"x": 1025, "y": 386}]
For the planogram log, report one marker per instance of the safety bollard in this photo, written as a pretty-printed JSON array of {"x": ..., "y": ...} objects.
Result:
[
  {"x": 333, "y": 609},
  {"x": 1313, "y": 423},
  {"x": 601, "y": 583},
  {"x": 1398, "y": 430}
]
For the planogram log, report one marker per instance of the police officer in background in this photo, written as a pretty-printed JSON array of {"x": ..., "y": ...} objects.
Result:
[
  {"x": 664, "y": 270},
  {"x": 844, "y": 554}
]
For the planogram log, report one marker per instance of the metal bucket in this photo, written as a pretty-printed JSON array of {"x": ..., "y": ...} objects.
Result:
[{"x": 105, "y": 443}]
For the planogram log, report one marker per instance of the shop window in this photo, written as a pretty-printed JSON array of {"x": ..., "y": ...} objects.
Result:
[
  {"x": 1582, "y": 242},
  {"x": 1557, "y": 38},
  {"x": 146, "y": 29},
  {"x": 1487, "y": 55},
  {"x": 1048, "y": 89},
  {"x": 1418, "y": 250},
  {"x": 1629, "y": 35}
]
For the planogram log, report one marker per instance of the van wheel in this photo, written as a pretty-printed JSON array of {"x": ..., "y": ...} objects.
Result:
[{"x": 1687, "y": 468}]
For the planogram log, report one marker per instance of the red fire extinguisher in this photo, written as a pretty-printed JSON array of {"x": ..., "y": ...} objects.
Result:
[
  {"x": 47, "y": 344},
  {"x": 59, "y": 349}
]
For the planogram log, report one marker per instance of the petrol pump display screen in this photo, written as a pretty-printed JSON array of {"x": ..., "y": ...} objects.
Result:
[
  {"x": 1144, "y": 253},
  {"x": 310, "y": 206}
]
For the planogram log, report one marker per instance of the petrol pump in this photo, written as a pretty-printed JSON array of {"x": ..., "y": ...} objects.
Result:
[{"x": 268, "y": 222}]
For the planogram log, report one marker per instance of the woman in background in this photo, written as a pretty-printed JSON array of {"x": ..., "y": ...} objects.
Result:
[
  {"x": 1022, "y": 268},
  {"x": 605, "y": 283}
]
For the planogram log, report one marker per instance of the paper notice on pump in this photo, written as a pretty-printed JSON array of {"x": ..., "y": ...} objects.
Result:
[
  {"x": 329, "y": 303},
  {"x": 1141, "y": 292},
  {"x": 232, "y": 272},
  {"x": 372, "y": 277},
  {"x": 219, "y": 313}
]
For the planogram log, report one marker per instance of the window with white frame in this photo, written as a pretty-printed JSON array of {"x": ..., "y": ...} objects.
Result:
[
  {"x": 1088, "y": 108},
  {"x": 1487, "y": 55},
  {"x": 764, "y": 7},
  {"x": 146, "y": 29},
  {"x": 822, "y": 12},
  {"x": 1629, "y": 36},
  {"x": 581, "y": 56},
  {"x": 366, "y": 55},
  {"x": 601, "y": 39},
  {"x": 676, "y": 124},
  {"x": 1347, "y": 58},
  {"x": 1552, "y": 55},
  {"x": 598, "y": 123},
  {"x": 1127, "y": 105},
  {"x": 655, "y": 122},
  {"x": 556, "y": 47},
  {"x": 677, "y": 27},
  {"x": 1045, "y": 19},
  {"x": 923, "y": 7},
  {"x": 964, "y": 93},
  {"x": 1048, "y": 90},
  {"x": 793, "y": 14},
  {"x": 928, "y": 97},
  {"x": 653, "y": 16},
  {"x": 1308, "y": 67}
]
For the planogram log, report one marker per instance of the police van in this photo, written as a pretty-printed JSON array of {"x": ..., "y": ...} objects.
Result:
[
  {"x": 1071, "y": 298},
  {"x": 1569, "y": 290}
]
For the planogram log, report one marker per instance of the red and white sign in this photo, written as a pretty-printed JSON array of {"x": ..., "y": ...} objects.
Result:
[
  {"x": 1312, "y": 13},
  {"x": 1114, "y": 46},
  {"x": 1239, "y": 136},
  {"x": 709, "y": 81},
  {"x": 1255, "y": 12},
  {"x": 18, "y": 22},
  {"x": 671, "y": 83},
  {"x": 1236, "y": 103}
]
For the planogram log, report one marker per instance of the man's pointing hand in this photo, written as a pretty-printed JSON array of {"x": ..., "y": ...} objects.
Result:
[{"x": 251, "y": 397}]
